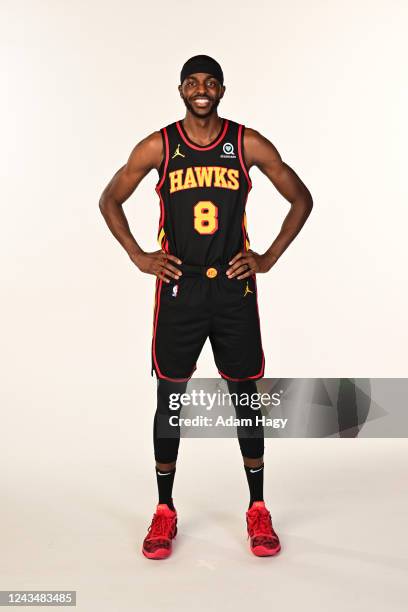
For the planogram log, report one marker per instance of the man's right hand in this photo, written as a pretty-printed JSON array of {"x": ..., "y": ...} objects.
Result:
[{"x": 158, "y": 263}]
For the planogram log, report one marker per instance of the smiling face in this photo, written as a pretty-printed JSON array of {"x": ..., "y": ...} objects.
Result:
[{"x": 201, "y": 93}]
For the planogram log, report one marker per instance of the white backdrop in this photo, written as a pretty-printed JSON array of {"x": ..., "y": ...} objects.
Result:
[{"x": 325, "y": 81}]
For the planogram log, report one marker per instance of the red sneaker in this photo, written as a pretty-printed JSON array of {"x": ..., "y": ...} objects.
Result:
[
  {"x": 263, "y": 539},
  {"x": 163, "y": 528}
]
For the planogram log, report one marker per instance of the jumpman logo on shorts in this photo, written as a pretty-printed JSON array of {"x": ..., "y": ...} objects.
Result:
[
  {"x": 177, "y": 152},
  {"x": 247, "y": 290}
]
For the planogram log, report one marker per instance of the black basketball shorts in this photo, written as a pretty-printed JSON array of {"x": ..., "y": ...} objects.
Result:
[{"x": 204, "y": 303}]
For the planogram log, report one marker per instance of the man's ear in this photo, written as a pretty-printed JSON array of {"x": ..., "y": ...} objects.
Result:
[
  {"x": 179, "y": 88},
  {"x": 222, "y": 91}
]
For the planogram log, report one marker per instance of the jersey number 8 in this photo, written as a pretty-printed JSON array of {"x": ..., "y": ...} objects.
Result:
[{"x": 205, "y": 217}]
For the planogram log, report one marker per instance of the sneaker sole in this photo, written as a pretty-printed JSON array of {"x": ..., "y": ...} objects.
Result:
[
  {"x": 262, "y": 551},
  {"x": 161, "y": 553}
]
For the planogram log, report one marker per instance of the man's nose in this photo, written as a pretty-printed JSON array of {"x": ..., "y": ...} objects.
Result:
[{"x": 201, "y": 88}]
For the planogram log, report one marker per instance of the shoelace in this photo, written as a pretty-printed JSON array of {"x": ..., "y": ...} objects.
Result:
[
  {"x": 160, "y": 526},
  {"x": 259, "y": 522}
]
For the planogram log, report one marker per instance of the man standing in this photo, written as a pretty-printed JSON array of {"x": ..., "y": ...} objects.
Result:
[{"x": 205, "y": 272}]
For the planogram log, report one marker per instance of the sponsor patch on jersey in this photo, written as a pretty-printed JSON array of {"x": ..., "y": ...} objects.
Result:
[
  {"x": 228, "y": 151},
  {"x": 174, "y": 291}
]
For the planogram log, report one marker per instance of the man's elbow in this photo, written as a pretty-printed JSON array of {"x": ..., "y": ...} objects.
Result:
[
  {"x": 101, "y": 204},
  {"x": 307, "y": 202},
  {"x": 303, "y": 204},
  {"x": 105, "y": 202}
]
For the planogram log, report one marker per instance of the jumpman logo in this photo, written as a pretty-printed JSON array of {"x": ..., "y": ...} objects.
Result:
[
  {"x": 177, "y": 152},
  {"x": 247, "y": 290}
]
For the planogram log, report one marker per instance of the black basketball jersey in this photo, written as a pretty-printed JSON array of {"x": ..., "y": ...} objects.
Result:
[{"x": 203, "y": 192}]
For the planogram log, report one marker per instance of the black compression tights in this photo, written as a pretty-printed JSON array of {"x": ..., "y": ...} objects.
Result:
[{"x": 166, "y": 437}]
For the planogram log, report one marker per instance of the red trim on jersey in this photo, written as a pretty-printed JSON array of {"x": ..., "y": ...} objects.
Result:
[
  {"x": 197, "y": 148},
  {"x": 245, "y": 170},
  {"x": 241, "y": 157},
  {"x": 244, "y": 231},
  {"x": 162, "y": 179},
  {"x": 259, "y": 322},
  {"x": 159, "y": 284},
  {"x": 161, "y": 376},
  {"x": 166, "y": 159}
]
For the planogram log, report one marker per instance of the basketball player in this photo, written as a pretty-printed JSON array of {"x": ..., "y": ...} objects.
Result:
[{"x": 205, "y": 273}]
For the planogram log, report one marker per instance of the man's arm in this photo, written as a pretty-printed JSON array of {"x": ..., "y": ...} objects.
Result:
[
  {"x": 260, "y": 152},
  {"x": 146, "y": 155}
]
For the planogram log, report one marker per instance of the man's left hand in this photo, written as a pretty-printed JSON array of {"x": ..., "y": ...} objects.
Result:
[{"x": 246, "y": 263}]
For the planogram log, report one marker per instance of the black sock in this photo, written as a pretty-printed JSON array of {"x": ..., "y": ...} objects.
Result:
[
  {"x": 165, "y": 480},
  {"x": 255, "y": 482}
]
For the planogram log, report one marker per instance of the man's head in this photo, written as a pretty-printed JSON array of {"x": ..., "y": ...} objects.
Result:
[{"x": 201, "y": 85}]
